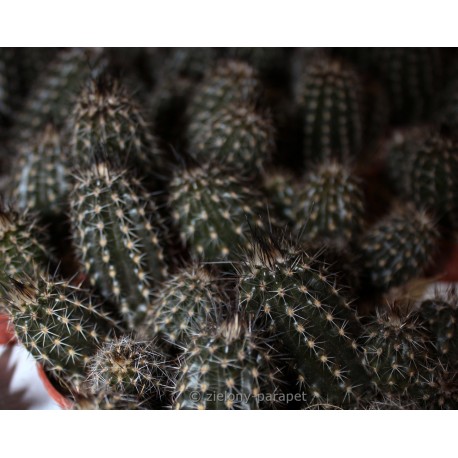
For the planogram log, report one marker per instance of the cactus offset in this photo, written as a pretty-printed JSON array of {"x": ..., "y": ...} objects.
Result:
[
  {"x": 129, "y": 367},
  {"x": 229, "y": 368},
  {"x": 116, "y": 231}
]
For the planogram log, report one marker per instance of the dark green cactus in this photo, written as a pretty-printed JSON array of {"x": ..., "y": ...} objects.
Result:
[
  {"x": 280, "y": 189},
  {"x": 130, "y": 368},
  {"x": 184, "y": 305},
  {"x": 213, "y": 211},
  {"x": 236, "y": 136},
  {"x": 400, "y": 354},
  {"x": 329, "y": 205},
  {"x": 106, "y": 113},
  {"x": 229, "y": 82},
  {"x": 283, "y": 287},
  {"x": 55, "y": 91},
  {"x": 330, "y": 100},
  {"x": 59, "y": 324},
  {"x": 229, "y": 368},
  {"x": 42, "y": 180},
  {"x": 398, "y": 248},
  {"x": 440, "y": 315},
  {"x": 116, "y": 231},
  {"x": 428, "y": 164},
  {"x": 20, "y": 249}
]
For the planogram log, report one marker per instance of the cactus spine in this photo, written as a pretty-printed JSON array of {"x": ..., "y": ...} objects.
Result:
[{"x": 116, "y": 231}]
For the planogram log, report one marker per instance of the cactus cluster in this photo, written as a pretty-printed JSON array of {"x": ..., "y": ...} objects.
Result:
[{"x": 231, "y": 228}]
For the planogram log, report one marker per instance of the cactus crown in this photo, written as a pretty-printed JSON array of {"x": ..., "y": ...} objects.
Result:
[
  {"x": 129, "y": 367},
  {"x": 106, "y": 113}
]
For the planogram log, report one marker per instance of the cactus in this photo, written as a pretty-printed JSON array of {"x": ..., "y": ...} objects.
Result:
[
  {"x": 213, "y": 211},
  {"x": 20, "y": 249},
  {"x": 440, "y": 315},
  {"x": 238, "y": 137},
  {"x": 106, "y": 113},
  {"x": 54, "y": 93},
  {"x": 42, "y": 180},
  {"x": 282, "y": 284},
  {"x": 429, "y": 166},
  {"x": 130, "y": 368},
  {"x": 399, "y": 352},
  {"x": 329, "y": 205},
  {"x": 59, "y": 324},
  {"x": 280, "y": 189},
  {"x": 398, "y": 248},
  {"x": 330, "y": 100},
  {"x": 229, "y": 368},
  {"x": 184, "y": 305},
  {"x": 229, "y": 82},
  {"x": 116, "y": 232}
]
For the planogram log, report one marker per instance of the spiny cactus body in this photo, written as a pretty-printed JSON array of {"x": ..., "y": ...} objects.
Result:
[
  {"x": 42, "y": 179},
  {"x": 429, "y": 167},
  {"x": 229, "y": 82},
  {"x": 285, "y": 286},
  {"x": 106, "y": 113},
  {"x": 59, "y": 325},
  {"x": 213, "y": 211},
  {"x": 129, "y": 367},
  {"x": 238, "y": 137},
  {"x": 230, "y": 368},
  {"x": 20, "y": 250},
  {"x": 398, "y": 248},
  {"x": 184, "y": 305},
  {"x": 52, "y": 96},
  {"x": 399, "y": 352},
  {"x": 280, "y": 189},
  {"x": 116, "y": 231},
  {"x": 329, "y": 205},
  {"x": 330, "y": 98}
]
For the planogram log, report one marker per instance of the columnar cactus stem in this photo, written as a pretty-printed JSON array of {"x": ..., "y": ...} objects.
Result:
[{"x": 116, "y": 231}]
